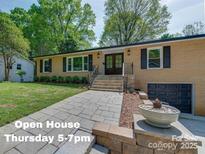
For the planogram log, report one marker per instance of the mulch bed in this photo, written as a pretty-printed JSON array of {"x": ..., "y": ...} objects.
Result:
[{"x": 129, "y": 107}]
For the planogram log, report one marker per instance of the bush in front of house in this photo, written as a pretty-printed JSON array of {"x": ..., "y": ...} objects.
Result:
[
  {"x": 84, "y": 80},
  {"x": 44, "y": 79},
  {"x": 60, "y": 79},
  {"x": 68, "y": 79},
  {"x": 36, "y": 79},
  {"x": 54, "y": 79},
  {"x": 21, "y": 73},
  {"x": 76, "y": 79}
]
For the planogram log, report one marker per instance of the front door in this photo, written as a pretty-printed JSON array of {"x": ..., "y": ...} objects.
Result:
[{"x": 113, "y": 64}]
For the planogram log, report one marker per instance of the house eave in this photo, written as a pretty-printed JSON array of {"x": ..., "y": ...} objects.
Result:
[{"x": 123, "y": 47}]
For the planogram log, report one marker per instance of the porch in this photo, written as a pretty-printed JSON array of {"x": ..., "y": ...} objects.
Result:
[{"x": 110, "y": 72}]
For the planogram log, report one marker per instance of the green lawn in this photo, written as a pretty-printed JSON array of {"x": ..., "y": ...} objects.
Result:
[{"x": 21, "y": 99}]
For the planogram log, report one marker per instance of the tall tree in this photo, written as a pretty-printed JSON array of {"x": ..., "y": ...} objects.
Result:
[
  {"x": 12, "y": 42},
  {"x": 169, "y": 36},
  {"x": 129, "y": 21},
  {"x": 194, "y": 29},
  {"x": 35, "y": 29},
  {"x": 57, "y": 26}
]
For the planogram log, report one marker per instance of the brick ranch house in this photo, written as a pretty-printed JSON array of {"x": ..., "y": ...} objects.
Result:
[{"x": 172, "y": 70}]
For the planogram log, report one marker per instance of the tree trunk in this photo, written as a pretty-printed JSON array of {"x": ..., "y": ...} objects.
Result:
[{"x": 6, "y": 67}]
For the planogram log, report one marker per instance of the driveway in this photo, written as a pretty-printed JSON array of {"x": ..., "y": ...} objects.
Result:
[
  {"x": 86, "y": 108},
  {"x": 197, "y": 127}
]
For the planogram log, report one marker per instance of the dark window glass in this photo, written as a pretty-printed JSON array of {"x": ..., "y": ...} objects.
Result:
[
  {"x": 46, "y": 66},
  {"x": 154, "y": 58},
  {"x": 69, "y": 64},
  {"x": 118, "y": 61},
  {"x": 109, "y": 61},
  {"x": 85, "y": 63},
  {"x": 18, "y": 67},
  {"x": 77, "y": 64}
]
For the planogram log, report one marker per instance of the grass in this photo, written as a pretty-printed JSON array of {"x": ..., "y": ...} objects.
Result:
[{"x": 20, "y": 99}]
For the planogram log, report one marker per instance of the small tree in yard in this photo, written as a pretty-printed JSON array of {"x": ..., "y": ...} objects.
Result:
[
  {"x": 21, "y": 74},
  {"x": 12, "y": 42}
]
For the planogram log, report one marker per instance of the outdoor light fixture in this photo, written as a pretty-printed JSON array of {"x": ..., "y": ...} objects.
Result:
[
  {"x": 98, "y": 55},
  {"x": 128, "y": 52}
]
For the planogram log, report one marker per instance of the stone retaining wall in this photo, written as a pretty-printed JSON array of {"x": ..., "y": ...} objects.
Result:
[{"x": 120, "y": 140}]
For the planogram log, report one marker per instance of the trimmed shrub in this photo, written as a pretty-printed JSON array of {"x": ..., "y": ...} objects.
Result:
[
  {"x": 60, "y": 79},
  {"x": 76, "y": 79},
  {"x": 131, "y": 90},
  {"x": 41, "y": 78},
  {"x": 36, "y": 79},
  {"x": 68, "y": 79},
  {"x": 44, "y": 79},
  {"x": 54, "y": 79},
  {"x": 84, "y": 80}
]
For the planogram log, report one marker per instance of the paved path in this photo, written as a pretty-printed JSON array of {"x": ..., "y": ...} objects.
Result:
[
  {"x": 86, "y": 108},
  {"x": 197, "y": 127}
]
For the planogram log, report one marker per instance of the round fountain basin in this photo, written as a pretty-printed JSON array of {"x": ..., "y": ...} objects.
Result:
[{"x": 162, "y": 117}]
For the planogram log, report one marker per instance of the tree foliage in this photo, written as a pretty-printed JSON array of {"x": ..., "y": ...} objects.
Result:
[
  {"x": 56, "y": 26},
  {"x": 12, "y": 42},
  {"x": 129, "y": 21},
  {"x": 168, "y": 35},
  {"x": 194, "y": 29}
]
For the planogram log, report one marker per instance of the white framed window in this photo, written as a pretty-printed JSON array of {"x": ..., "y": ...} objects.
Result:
[
  {"x": 46, "y": 66},
  {"x": 77, "y": 64},
  {"x": 154, "y": 58}
]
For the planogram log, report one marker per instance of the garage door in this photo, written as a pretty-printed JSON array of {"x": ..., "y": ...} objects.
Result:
[{"x": 177, "y": 95}]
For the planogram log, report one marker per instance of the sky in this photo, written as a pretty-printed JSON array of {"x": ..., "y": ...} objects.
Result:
[{"x": 183, "y": 12}]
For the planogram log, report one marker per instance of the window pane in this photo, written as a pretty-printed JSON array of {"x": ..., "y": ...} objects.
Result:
[
  {"x": 69, "y": 64},
  {"x": 46, "y": 66},
  {"x": 85, "y": 63},
  {"x": 118, "y": 61},
  {"x": 18, "y": 67},
  {"x": 108, "y": 61},
  {"x": 154, "y": 53},
  {"x": 154, "y": 58},
  {"x": 77, "y": 64}
]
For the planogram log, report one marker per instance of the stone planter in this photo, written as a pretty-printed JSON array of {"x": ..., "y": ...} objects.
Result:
[{"x": 162, "y": 117}]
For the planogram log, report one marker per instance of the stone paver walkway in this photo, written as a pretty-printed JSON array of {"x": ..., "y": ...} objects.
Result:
[
  {"x": 197, "y": 128},
  {"x": 86, "y": 108}
]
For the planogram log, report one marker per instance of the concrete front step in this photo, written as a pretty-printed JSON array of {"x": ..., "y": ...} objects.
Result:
[
  {"x": 109, "y": 77},
  {"x": 80, "y": 147},
  {"x": 105, "y": 89},
  {"x": 107, "y": 86},
  {"x": 98, "y": 149},
  {"x": 107, "y": 81}
]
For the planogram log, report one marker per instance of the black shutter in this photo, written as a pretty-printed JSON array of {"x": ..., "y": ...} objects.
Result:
[
  {"x": 90, "y": 62},
  {"x": 64, "y": 64},
  {"x": 143, "y": 58},
  {"x": 166, "y": 56},
  {"x": 41, "y": 66},
  {"x": 50, "y": 65},
  {"x": 35, "y": 68}
]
